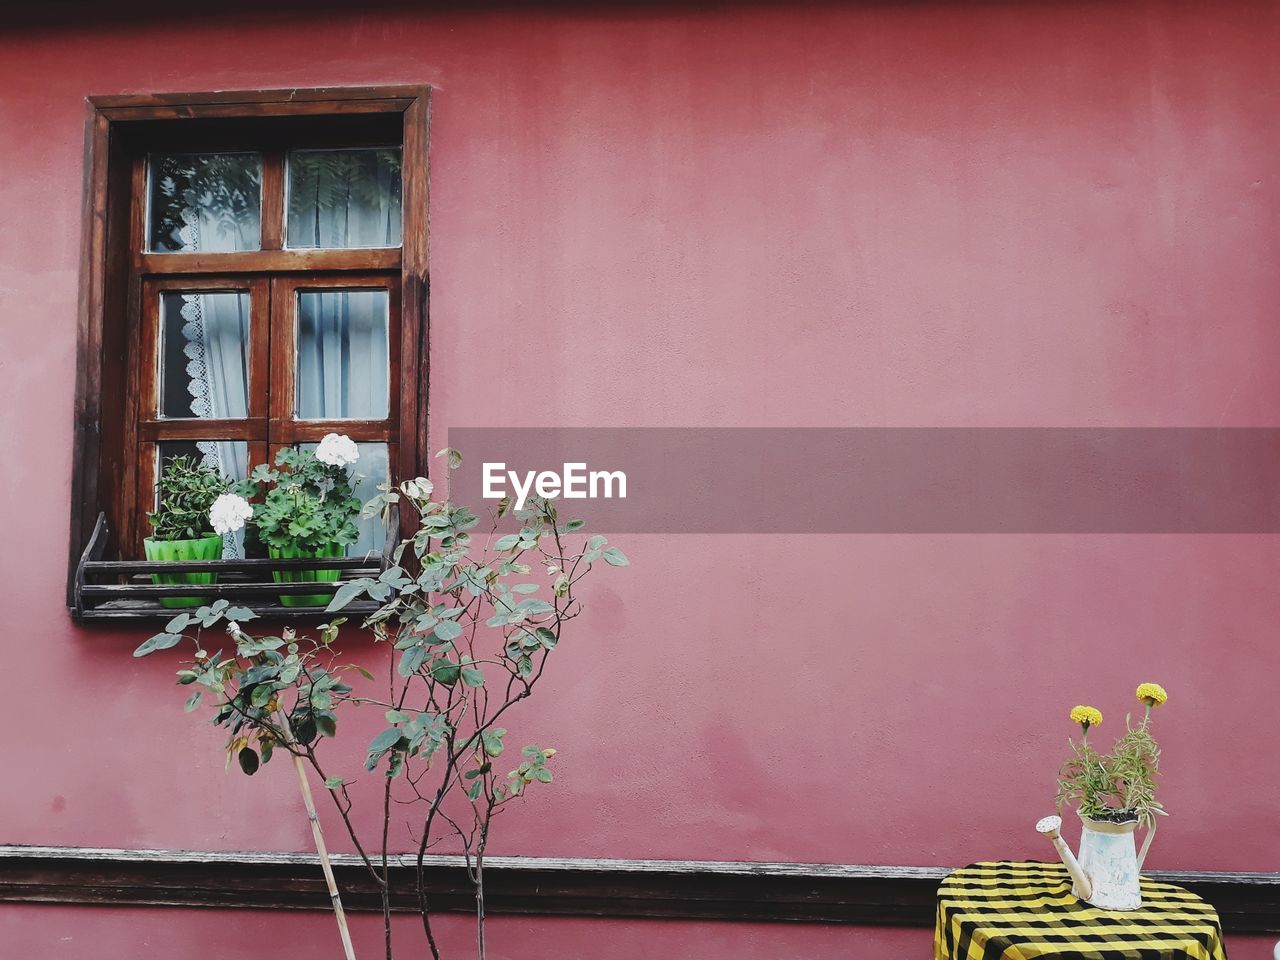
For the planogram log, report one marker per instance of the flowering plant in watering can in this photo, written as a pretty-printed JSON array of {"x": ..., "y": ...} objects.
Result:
[{"x": 1114, "y": 794}]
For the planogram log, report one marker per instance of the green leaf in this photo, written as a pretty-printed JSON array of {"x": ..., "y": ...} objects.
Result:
[
  {"x": 547, "y": 638},
  {"x": 327, "y": 724},
  {"x": 248, "y": 760},
  {"x": 261, "y": 694},
  {"x": 473, "y": 791},
  {"x": 492, "y": 741},
  {"x": 385, "y": 741},
  {"x": 240, "y": 613},
  {"x": 472, "y": 676},
  {"x": 348, "y": 592},
  {"x": 304, "y": 727},
  {"x": 596, "y": 542},
  {"x": 192, "y": 702},
  {"x": 333, "y": 783},
  {"x": 453, "y": 457},
  {"x": 447, "y": 630},
  {"x": 616, "y": 558},
  {"x": 161, "y": 641},
  {"x": 532, "y": 606},
  {"x": 507, "y": 542},
  {"x": 177, "y": 624},
  {"x": 412, "y": 659},
  {"x": 445, "y": 671},
  {"x": 398, "y": 716},
  {"x": 543, "y": 774}
]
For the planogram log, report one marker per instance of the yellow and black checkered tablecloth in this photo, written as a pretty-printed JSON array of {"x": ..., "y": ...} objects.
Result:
[{"x": 1011, "y": 910}]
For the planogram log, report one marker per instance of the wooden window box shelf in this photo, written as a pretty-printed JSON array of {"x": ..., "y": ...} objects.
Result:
[{"x": 116, "y": 590}]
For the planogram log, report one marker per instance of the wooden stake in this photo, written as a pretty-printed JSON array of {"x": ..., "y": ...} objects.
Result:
[{"x": 318, "y": 836}]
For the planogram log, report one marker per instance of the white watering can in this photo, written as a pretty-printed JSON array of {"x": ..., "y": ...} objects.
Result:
[{"x": 1107, "y": 870}]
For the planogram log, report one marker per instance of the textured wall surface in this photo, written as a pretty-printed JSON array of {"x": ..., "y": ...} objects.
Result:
[{"x": 900, "y": 214}]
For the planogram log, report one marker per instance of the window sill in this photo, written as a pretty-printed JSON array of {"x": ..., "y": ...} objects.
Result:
[{"x": 121, "y": 590}]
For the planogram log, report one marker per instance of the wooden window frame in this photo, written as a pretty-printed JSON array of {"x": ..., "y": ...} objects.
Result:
[{"x": 120, "y": 131}]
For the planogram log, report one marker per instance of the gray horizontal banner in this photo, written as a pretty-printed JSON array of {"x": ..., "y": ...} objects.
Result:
[{"x": 883, "y": 480}]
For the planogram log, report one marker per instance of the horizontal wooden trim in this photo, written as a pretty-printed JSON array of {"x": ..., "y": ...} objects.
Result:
[
  {"x": 268, "y": 261},
  {"x": 283, "y": 96},
  {"x": 123, "y": 612},
  {"x": 328, "y": 101},
  {"x": 259, "y": 565},
  {"x": 195, "y": 428},
  {"x": 670, "y": 889},
  {"x": 229, "y": 591}
]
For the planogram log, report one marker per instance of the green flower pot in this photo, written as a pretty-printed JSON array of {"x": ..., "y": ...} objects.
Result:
[
  {"x": 206, "y": 548},
  {"x": 306, "y": 576}
]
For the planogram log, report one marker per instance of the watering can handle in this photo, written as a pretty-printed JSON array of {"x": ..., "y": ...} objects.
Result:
[{"x": 1146, "y": 844}]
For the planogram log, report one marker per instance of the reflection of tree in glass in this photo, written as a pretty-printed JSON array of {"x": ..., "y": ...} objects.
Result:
[
  {"x": 344, "y": 198},
  {"x": 218, "y": 190}
]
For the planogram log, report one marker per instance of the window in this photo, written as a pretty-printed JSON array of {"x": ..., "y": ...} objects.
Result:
[{"x": 254, "y": 278}]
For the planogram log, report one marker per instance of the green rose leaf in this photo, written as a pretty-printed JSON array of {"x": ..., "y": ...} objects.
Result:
[
  {"x": 492, "y": 741},
  {"x": 411, "y": 661},
  {"x": 385, "y": 740},
  {"x": 445, "y": 671},
  {"x": 326, "y": 724},
  {"x": 348, "y": 592},
  {"x": 447, "y": 630},
  {"x": 248, "y": 760},
  {"x": 161, "y": 641},
  {"x": 178, "y": 623}
]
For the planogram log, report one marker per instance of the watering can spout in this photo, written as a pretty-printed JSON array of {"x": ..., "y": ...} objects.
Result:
[{"x": 1051, "y": 827}]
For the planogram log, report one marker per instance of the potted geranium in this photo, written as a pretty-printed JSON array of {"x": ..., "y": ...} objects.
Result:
[
  {"x": 307, "y": 510},
  {"x": 181, "y": 528}
]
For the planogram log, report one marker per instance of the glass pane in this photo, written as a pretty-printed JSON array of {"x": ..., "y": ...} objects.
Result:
[
  {"x": 229, "y": 457},
  {"x": 367, "y": 472},
  {"x": 344, "y": 198},
  {"x": 204, "y": 354},
  {"x": 205, "y": 202},
  {"x": 342, "y": 367}
]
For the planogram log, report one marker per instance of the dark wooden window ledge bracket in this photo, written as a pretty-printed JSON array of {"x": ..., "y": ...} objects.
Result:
[{"x": 547, "y": 886}]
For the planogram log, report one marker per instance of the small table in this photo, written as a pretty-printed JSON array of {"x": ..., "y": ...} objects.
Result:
[{"x": 1024, "y": 910}]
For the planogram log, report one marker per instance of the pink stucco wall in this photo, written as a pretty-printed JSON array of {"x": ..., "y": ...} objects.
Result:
[{"x": 843, "y": 214}]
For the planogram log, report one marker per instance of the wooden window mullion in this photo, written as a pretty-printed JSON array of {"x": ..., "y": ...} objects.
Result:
[{"x": 273, "y": 200}]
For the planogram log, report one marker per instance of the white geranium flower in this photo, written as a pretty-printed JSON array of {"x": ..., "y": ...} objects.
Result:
[
  {"x": 338, "y": 450},
  {"x": 228, "y": 513}
]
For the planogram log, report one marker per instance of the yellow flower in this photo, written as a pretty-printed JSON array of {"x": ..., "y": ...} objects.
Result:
[
  {"x": 1086, "y": 716},
  {"x": 1152, "y": 694}
]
